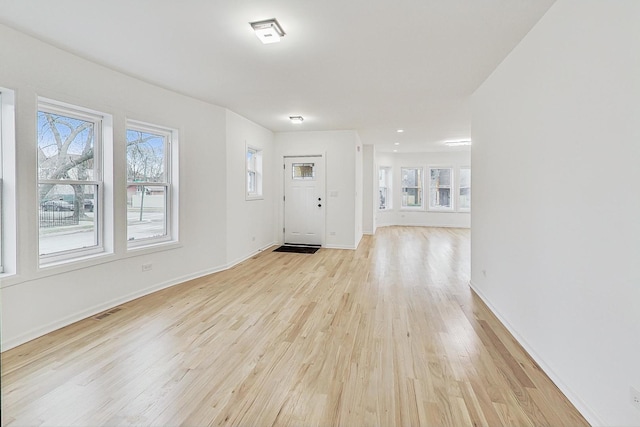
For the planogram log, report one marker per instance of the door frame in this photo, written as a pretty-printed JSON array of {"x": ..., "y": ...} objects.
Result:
[{"x": 324, "y": 196}]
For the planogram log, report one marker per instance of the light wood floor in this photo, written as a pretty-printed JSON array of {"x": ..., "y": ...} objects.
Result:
[{"x": 386, "y": 335}]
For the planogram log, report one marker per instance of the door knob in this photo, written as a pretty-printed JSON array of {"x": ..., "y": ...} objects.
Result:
[
  {"x": 319, "y": 198},
  {"x": 319, "y": 205}
]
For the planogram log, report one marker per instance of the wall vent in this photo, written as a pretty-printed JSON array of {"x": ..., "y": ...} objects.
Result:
[{"x": 107, "y": 313}]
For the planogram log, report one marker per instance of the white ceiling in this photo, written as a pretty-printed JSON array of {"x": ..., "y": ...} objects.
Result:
[{"x": 370, "y": 65}]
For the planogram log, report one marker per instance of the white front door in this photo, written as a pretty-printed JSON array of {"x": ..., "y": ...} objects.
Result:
[{"x": 304, "y": 201}]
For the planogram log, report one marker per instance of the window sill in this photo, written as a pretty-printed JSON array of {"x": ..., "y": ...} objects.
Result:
[
  {"x": 435, "y": 210},
  {"x": 257, "y": 197},
  {"x": 154, "y": 247}
]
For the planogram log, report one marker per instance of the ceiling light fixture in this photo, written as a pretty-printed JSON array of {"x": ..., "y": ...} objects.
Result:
[
  {"x": 400, "y": 130},
  {"x": 268, "y": 31},
  {"x": 296, "y": 119},
  {"x": 396, "y": 143},
  {"x": 458, "y": 143}
]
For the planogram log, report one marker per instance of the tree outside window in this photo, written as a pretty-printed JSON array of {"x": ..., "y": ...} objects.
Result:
[{"x": 69, "y": 181}]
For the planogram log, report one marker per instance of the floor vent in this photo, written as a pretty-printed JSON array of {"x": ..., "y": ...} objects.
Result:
[{"x": 107, "y": 313}]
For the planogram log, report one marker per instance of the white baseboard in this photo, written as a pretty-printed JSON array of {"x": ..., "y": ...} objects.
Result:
[
  {"x": 244, "y": 258},
  {"x": 352, "y": 248},
  {"x": 582, "y": 407},
  {"x": 99, "y": 308}
]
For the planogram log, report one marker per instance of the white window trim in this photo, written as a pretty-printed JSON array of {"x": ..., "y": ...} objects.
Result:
[
  {"x": 102, "y": 144},
  {"x": 259, "y": 156},
  {"x": 389, "y": 188},
  {"x": 422, "y": 203},
  {"x": 452, "y": 187},
  {"x": 8, "y": 233},
  {"x": 170, "y": 184},
  {"x": 458, "y": 208}
]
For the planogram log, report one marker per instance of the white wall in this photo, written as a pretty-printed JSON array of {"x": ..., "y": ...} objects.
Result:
[
  {"x": 250, "y": 223},
  {"x": 398, "y": 216},
  {"x": 556, "y": 208},
  {"x": 358, "y": 193},
  {"x": 339, "y": 149},
  {"x": 38, "y": 300},
  {"x": 369, "y": 189}
]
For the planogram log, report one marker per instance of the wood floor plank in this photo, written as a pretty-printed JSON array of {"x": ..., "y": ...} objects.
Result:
[{"x": 387, "y": 335}]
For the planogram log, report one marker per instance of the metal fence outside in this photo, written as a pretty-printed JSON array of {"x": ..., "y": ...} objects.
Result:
[{"x": 55, "y": 218}]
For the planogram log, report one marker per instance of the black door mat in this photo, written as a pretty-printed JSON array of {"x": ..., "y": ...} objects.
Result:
[{"x": 297, "y": 249}]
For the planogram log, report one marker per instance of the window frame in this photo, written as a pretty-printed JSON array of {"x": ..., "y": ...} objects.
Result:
[
  {"x": 169, "y": 165},
  {"x": 388, "y": 170},
  {"x": 452, "y": 187},
  {"x": 258, "y": 160},
  {"x": 459, "y": 188},
  {"x": 98, "y": 119},
  {"x": 421, "y": 188}
]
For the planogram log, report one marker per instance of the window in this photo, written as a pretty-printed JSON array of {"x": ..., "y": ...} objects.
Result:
[
  {"x": 464, "y": 191},
  {"x": 411, "y": 187},
  {"x": 440, "y": 185},
  {"x": 69, "y": 182},
  {"x": 254, "y": 173},
  {"x": 384, "y": 188},
  {"x": 303, "y": 171},
  {"x": 149, "y": 184}
]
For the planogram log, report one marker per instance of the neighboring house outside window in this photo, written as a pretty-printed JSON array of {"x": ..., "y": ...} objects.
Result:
[
  {"x": 441, "y": 189},
  {"x": 412, "y": 187},
  {"x": 384, "y": 188}
]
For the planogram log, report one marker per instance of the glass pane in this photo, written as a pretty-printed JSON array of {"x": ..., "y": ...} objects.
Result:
[
  {"x": 440, "y": 188},
  {"x": 412, "y": 177},
  {"x": 145, "y": 156},
  {"x": 465, "y": 177},
  {"x": 251, "y": 159},
  {"x": 146, "y": 212},
  {"x": 383, "y": 198},
  {"x": 382, "y": 177},
  {"x": 303, "y": 170},
  {"x": 65, "y": 147},
  {"x": 67, "y": 217},
  {"x": 465, "y": 198},
  {"x": 412, "y": 197},
  {"x": 465, "y": 189},
  {"x": 251, "y": 182}
]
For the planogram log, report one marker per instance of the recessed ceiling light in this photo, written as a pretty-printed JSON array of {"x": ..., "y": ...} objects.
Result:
[
  {"x": 458, "y": 143},
  {"x": 396, "y": 143},
  {"x": 400, "y": 130},
  {"x": 395, "y": 151},
  {"x": 296, "y": 119},
  {"x": 268, "y": 31}
]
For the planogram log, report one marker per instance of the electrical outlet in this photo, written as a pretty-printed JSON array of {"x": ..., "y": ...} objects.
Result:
[
  {"x": 147, "y": 267},
  {"x": 635, "y": 397}
]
